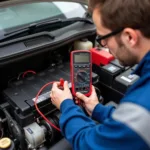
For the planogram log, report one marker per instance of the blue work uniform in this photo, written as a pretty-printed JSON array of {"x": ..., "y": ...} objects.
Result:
[{"x": 125, "y": 128}]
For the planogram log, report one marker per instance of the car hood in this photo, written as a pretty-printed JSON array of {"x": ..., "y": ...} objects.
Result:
[{"x": 14, "y": 2}]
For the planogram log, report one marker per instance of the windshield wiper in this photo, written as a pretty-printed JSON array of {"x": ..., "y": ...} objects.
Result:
[{"x": 32, "y": 27}]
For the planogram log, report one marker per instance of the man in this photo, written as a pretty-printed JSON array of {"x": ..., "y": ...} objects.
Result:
[{"x": 123, "y": 26}]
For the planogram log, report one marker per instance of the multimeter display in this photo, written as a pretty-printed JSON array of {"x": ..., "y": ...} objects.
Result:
[
  {"x": 81, "y": 72},
  {"x": 81, "y": 58}
]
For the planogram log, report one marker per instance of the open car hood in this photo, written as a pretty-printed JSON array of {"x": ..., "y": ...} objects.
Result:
[{"x": 14, "y": 2}]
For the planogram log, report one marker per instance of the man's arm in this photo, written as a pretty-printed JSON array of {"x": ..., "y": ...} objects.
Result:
[
  {"x": 83, "y": 133},
  {"x": 101, "y": 112}
]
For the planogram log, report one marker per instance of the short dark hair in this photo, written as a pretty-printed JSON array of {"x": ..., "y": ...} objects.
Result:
[{"x": 124, "y": 13}]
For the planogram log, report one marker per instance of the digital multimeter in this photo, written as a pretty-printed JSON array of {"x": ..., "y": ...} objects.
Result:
[{"x": 81, "y": 70}]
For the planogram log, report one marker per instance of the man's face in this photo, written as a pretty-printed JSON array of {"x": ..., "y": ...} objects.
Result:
[{"x": 114, "y": 43}]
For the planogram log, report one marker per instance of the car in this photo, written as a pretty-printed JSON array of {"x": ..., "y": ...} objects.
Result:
[{"x": 36, "y": 40}]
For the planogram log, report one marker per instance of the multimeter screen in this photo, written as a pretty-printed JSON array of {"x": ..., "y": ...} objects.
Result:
[{"x": 81, "y": 58}]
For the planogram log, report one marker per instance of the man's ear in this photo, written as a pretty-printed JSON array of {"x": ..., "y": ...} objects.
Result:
[{"x": 130, "y": 36}]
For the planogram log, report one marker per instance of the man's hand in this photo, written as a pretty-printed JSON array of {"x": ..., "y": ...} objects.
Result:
[
  {"x": 58, "y": 96},
  {"x": 89, "y": 102}
]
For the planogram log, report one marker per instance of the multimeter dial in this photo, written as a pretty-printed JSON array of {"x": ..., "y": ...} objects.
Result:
[
  {"x": 82, "y": 79},
  {"x": 82, "y": 76}
]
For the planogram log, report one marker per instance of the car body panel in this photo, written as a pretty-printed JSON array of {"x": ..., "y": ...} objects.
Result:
[{"x": 14, "y": 2}]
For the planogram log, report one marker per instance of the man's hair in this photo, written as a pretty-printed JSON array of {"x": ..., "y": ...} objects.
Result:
[{"x": 117, "y": 14}]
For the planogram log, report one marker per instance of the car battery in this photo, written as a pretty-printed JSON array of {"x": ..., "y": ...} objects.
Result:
[
  {"x": 21, "y": 94},
  {"x": 107, "y": 74},
  {"x": 134, "y": 67},
  {"x": 124, "y": 81},
  {"x": 95, "y": 78},
  {"x": 116, "y": 63}
]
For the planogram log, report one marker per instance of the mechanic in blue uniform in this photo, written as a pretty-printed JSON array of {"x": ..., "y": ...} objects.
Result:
[{"x": 124, "y": 27}]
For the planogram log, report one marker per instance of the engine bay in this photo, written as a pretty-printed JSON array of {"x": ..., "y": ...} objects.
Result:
[
  {"x": 23, "y": 75},
  {"x": 35, "y": 63}
]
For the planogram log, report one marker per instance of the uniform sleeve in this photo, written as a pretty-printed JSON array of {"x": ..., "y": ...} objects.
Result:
[
  {"x": 101, "y": 112},
  {"x": 83, "y": 133}
]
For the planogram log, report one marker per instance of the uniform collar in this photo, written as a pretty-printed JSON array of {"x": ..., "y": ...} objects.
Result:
[{"x": 144, "y": 65}]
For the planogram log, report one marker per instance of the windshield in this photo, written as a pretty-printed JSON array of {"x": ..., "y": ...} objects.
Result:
[{"x": 20, "y": 15}]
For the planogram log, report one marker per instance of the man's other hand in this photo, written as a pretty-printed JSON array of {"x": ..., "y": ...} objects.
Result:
[{"x": 89, "y": 102}]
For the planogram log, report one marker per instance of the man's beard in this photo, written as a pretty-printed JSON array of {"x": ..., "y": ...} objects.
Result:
[{"x": 124, "y": 55}]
